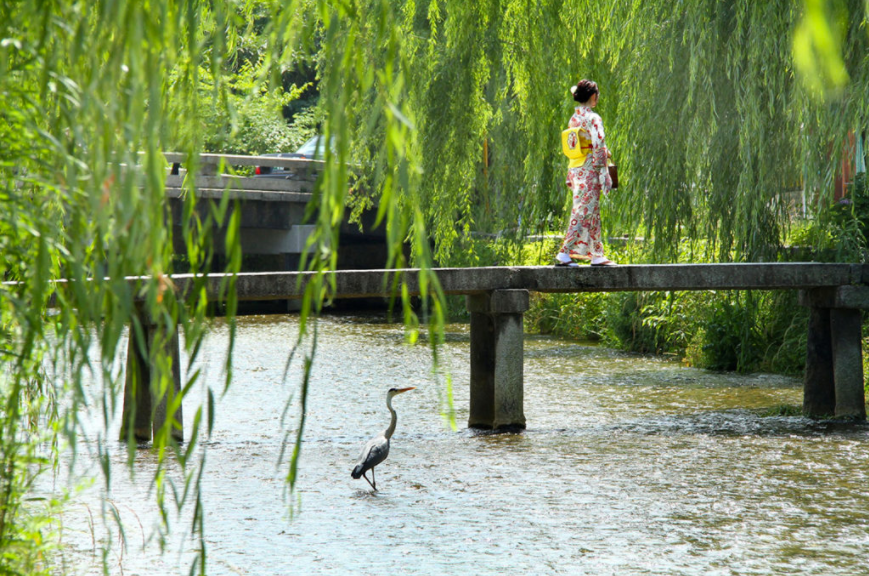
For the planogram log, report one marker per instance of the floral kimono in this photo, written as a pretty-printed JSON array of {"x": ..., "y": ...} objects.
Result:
[{"x": 583, "y": 237}]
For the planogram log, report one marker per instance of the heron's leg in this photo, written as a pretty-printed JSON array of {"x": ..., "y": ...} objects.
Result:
[
  {"x": 369, "y": 481},
  {"x": 373, "y": 479}
]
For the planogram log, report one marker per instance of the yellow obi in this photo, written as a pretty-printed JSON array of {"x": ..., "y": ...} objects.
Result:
[{"x": 576, "y": 145}]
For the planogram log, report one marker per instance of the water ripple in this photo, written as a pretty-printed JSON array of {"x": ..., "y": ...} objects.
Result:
[{"x": 630, "y": 465}]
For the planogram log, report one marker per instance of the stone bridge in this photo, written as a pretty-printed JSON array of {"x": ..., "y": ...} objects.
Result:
[
  {"x": 497, "y": 298},
  {"x": 273, "y": 228}
]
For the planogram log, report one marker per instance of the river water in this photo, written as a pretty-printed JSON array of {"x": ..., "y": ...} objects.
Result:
[{"x": 630, "y": 465}]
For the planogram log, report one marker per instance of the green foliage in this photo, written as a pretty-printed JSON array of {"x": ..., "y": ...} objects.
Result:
[
  {"x": 782, "y": 410},
  {"x": 859, "y": 197},
  {"x": 91, "y": 95},
  {"x": 817, "y": 47},
  {"x": 810, "y": 238},
  {"x": 740, "y": 331},
  {"x": 850, "y": 219},
  {"x": 578, "y": 316},
  {"x": 731, "y": 338},
  {"x": 653, "y": 322},
  {"x": 701, "y": 100},
  {"x": 250, "y": 120},
  {"x": 839, "y": 233},
  {"x": 781, "y": 330}
]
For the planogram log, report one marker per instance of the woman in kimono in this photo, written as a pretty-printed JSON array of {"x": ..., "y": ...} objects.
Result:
[{"x": 587, "y": 177}]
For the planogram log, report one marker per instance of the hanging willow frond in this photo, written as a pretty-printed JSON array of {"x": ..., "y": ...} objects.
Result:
[{"x": 712, "y": 126}]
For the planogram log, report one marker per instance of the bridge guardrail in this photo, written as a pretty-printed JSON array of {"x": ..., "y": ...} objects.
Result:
[{"x": 213, "y": 161}]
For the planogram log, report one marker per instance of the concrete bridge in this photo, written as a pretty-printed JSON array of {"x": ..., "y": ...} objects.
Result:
[
  {"x": 273, "y": 228},
  {"x": 497, "y": 298}
]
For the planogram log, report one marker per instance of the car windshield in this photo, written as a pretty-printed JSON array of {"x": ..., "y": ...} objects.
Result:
[{"x": 313, "y": 148}]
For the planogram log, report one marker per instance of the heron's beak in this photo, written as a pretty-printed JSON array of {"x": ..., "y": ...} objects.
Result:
[{"x": 400, "y": 390}]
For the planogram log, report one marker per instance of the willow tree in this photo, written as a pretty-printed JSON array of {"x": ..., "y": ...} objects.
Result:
[
  {"x": 85, "y": 93},
  {"x": 724, "y": 127},
  {"x": 91, "y": 95},
  {"x": 710, "y": 116}
]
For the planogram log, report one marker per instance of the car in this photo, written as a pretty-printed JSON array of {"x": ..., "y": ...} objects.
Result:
[
  {"x": 276, "y": 171},
  {"x": 313, "y": 149}
]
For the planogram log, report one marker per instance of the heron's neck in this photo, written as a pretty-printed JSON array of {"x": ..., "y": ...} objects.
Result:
[{"x": 388, "y": 432}]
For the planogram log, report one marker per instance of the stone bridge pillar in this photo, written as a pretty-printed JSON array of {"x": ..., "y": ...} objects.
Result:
[
  {"x": 833, "y": 384},
  {"x": 497, "y": 381},
  {"x": 146, "y": 406}
]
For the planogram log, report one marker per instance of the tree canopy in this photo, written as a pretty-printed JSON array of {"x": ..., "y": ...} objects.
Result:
[{"x": 714, "y": 111}]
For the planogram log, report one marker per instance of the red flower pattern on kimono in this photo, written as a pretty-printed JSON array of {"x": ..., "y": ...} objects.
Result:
[{"x": 586, "y": 182}]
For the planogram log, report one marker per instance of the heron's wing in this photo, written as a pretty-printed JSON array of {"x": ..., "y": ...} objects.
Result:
[{"x": 374, "y": 452}]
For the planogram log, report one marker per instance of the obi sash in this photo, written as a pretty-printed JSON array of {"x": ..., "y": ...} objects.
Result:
[{"x": 576, "y": 145}]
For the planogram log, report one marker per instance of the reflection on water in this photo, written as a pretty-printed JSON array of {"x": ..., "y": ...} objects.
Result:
[{"x": 630, "y": 465}]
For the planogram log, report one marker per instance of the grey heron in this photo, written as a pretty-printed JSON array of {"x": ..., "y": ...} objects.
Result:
[{"x": 377, "y": 449}]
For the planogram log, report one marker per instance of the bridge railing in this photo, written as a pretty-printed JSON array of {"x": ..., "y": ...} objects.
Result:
[
  {"x": 210, "y": 163},
  {"x": 213, "y": 182}
]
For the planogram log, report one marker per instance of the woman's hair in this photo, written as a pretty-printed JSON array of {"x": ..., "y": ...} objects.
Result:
[{"x": 584, "y": 90}]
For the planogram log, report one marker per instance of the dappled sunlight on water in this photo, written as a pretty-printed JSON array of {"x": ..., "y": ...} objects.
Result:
[{"x": 630, "y": 465}]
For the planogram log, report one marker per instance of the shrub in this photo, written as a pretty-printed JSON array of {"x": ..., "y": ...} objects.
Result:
[
  {"x": 731, "y": 339},
  {"x": 782, "y": 326},
  {"x": 251, "y": 120},
  {"x": 580, "y": 316},
  {"x": 657, "y": 322}
]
